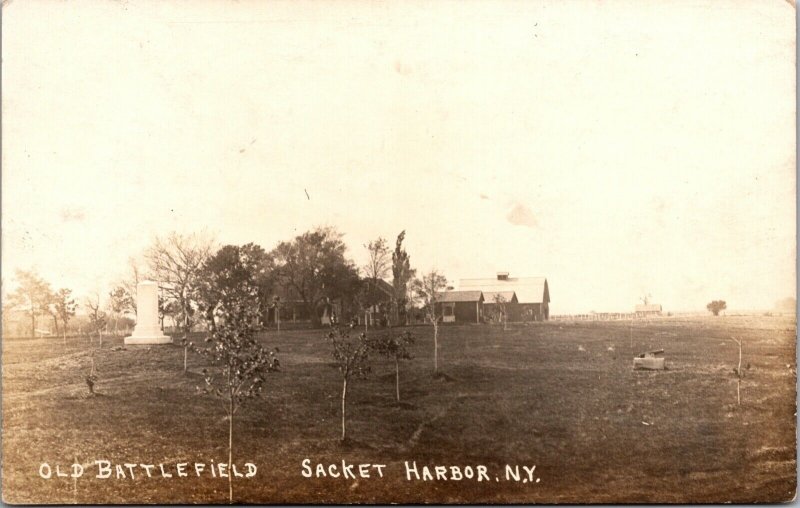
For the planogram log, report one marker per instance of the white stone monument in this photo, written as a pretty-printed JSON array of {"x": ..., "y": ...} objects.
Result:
[{"x": 147, "y": 330}]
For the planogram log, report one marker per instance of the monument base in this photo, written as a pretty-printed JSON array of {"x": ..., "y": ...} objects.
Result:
[{"x": 134, "y": 340}]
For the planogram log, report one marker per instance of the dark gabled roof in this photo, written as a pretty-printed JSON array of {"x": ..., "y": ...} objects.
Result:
[{"x": 459, "y": 296}]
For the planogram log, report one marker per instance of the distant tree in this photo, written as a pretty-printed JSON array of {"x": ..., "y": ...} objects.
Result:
[
  {"x": 501, "y": 302},
  {"x": 240, "y": 362},
  {"x": 175, "y": 262},
  {"x": 379, "y": 259},
  {"x": 427, "y": 289},
  {"x": 120, "y": 301},
  {"x": 352, "y": 358},
  {"x": 395, "y": 346},
  {"x": 402, "y": 273},
  {"x": 65, "y": 307},
  {"x": 377, "y": 268},
  {"x": 234, "y": 273},
  {"x": 49, "y": 307},
  {"x": 33, "y": 295},
  {"x": 130, "y": 282},
  {"x": 314, "y": 267},
  {"x": 97, "y": 318},
  {"x": 716, "y": 306}
]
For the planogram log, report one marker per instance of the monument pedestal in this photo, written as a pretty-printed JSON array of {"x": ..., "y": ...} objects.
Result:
[
  {"x": 153, "y": 338},
  {"x": 147, "y": 330}
]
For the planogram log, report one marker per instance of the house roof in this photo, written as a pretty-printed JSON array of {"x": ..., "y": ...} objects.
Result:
[
  {"x": 649, "y": 307},
  {"x": 491, "y": 296},
  {"x": 527, "y": 289},
  {"x": 460, "y": 296}
]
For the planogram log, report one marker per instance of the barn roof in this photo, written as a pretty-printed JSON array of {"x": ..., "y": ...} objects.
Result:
[
  {"x": 460, "y": 296},
  {"x": 491, "y": 296},
  {"x": 648, "y": 307},
  {"x": 528, "y": 289}
]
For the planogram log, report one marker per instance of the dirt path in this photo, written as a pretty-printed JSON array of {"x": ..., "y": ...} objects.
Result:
[{"x": 414, "y": 439}]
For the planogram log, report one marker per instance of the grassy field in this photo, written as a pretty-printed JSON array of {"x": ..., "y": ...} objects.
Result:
[{"x": 560, "y": 396}]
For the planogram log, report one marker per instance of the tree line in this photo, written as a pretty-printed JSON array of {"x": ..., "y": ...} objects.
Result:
[{"x": 195, "y": 276}]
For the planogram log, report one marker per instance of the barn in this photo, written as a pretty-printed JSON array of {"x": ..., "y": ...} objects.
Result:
[
  {"x": 460, "y": 306},
  {"x": 533, "y": 294}
]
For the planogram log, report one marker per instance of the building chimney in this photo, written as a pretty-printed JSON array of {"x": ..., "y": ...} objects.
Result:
[{"x": 502, "y": 275}]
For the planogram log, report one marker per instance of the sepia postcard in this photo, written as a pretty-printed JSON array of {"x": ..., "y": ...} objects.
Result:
[{"x": 398, "y": 252}]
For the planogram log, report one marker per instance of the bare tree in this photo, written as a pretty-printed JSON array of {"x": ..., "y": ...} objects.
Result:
[
  {"x": 377, "y": 268},
  {"x": 175, "y": 262},
  {"x": 97, "y": 318},
  {"x": 380, "y": 259},
  {"x": 396, "y": 347},
  {"x": 131, "y": 281},
  {"x": 427, "y": 290},
  {"x": 352, "y": 358}
]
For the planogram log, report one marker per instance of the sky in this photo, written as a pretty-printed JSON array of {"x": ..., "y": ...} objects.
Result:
[{"x": 619, "y": 148}]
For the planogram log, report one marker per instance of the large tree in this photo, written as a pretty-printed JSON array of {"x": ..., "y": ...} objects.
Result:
[
  {"x": 33, "y": 295},
  {"x": 234, "y": 273},
  {"x": 175, "y": 262},
  {"x": 313, "y": 267},
  {"x": 401, "y": 273},
  {"x": 427, "y": 289}
]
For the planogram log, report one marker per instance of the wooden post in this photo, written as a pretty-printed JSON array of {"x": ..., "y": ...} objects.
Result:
[{"x": 75, "y": 486}]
